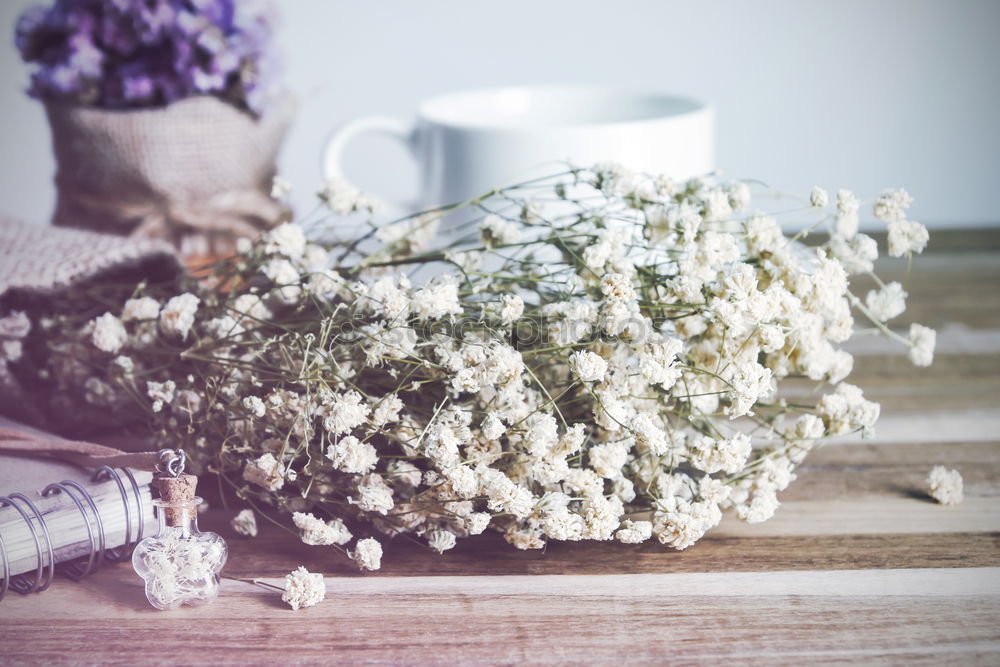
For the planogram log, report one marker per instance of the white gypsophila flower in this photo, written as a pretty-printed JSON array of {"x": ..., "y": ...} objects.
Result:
[
  {"x": 254, "y": 406},
  {"x": 608, "y": 248},
  {"x": 739, "y": 195},
  {"x": 386, "y": 411},
  {"x": 648, "y": 434},
  {"x": 303, "y": 588},
  {"x": 265, "y": 471},
  {"x": 760, "y": 507},
  {"x": 367, "y": 554},
  {"x": 389, "y": 297},
  {"x": 818, "y": 198},
  {"x": 624, "y": 489},
  {"x": 224, "y": 327},
  {"x": 616, "y": 287},
  {"x": 922, "y": 342},
  {"x": 945, "y": 486},
  {"x": 316, "y": 532},
  {"x": 541, "y": 434},
  {"x": 141, "y": 308},
  {"x": 728, "y": 455},
  {"x": 808, "y": 427},
  {"x": 716, "y": 205},
  {"x": 250, "y": 307},
  {"x": 286, "y": 239},
  {"x": 441, "y": 540},
  {"x": 325, "y": 285},
  {"x": 608, "y": 459},
  {"x": 437, "y": 299},
  {"x": 572, "y": 439},
  {"x": 344, "y": 198},
  {"x": 492, "y": 427},
  {"x": 374, "y": 495},
  {"x": 477, "y": 522},
  {"x": 713, "y": 490},
  {"x": 857, "y": 255},
  {"x": 887, "y": 302},
  {"x": 613, "y": 178},
  {"x": 503, "y": 494},
  {"x": 404, "y": 474},
  {"x": 749, "y": 382},
  {"x": 280, "y": 188},
  {"x": 109, "y": 333},
  {"x": 570, "y": 321},
  {"x": 906, "y": 236},
  {"x": 245, "y": 523},
  {"x": 891, "y": 205},
  {"x": 11, "y": 350},
  {"x": 511, "y": 308},
  {"x": 524, "y": 537},
  {"x": 315, "y": 259},
  {"x": 465, "y": 380},
  {"x": 763, "y": 236},
  {"x": 497, "y": 231},
  {"x": 588, "y": 366},
  {"x": 559, "y": 523},
  {"x": 344, "y": 412},
  {"x": 177, "y": 315},
  {"x": 161, "y": 393},
  {"x": 411, "y": 235},
  {"x": 352, "y": 456},
  {"x": 681, "y": 523},
  {"x": 285, "y": 278},
  {"x": 846, "y": 410},
  {"x": 847, "y": 214},
  {"x": 601, "y": 516},
  {"x": 616, "y": 316},
  {"x": 634, "y": 532}
]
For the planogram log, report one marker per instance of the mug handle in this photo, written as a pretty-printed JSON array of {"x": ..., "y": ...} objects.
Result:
[{"x": 333, "y": 152}]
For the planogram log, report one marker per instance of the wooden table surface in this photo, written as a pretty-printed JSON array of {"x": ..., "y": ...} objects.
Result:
[{"x": 859, "y": 565}]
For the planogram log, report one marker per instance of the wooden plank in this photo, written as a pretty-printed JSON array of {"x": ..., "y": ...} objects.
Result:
[
  {"x": 942, "y": 241},
  {"x": 930, "y": 427},
  {"x": 274, "y": 553},
  {"x": 894, "y": 469},
  {"x": 909, "y": 615},
  {"x": 871, "y": 515},
  {"x": 951, "y": 339},
  {"x": 944, "y": 288},
  {"x": 955, "y": 382}
]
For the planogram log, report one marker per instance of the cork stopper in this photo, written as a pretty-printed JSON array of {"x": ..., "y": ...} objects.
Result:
[{"x": 178, "y": 491}]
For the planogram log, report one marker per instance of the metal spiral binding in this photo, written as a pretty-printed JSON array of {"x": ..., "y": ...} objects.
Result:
[
  {"x": 85, "y": 565},
  {"x": 124, "y": 552},
  {"x": 21, "y": 583},
  {"x": 74, "y": 569}
]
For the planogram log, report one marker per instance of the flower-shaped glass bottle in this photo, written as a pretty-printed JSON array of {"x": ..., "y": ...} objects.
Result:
[{"x": 180, "y": 564}]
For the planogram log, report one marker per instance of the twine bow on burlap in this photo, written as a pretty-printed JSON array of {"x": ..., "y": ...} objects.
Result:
[{"x": 208, "y": 227}]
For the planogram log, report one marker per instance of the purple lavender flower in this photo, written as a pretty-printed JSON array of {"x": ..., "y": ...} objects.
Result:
[{"x": 120, "y": 54}]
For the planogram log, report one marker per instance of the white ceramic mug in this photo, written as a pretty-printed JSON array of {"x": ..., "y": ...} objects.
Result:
[{"x": 468, "y": 143}]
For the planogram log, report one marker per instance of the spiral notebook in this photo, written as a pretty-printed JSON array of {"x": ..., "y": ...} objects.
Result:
[{"x": 58, "y": 518}]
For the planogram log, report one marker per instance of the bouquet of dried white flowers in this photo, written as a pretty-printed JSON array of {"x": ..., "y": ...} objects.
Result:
[{"x": 593, "y": 355}]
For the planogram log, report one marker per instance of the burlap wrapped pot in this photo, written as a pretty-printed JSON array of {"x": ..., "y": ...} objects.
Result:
[{"x": 196, "y": 173}]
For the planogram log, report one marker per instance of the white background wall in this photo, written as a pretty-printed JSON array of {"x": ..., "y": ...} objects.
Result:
[{"x": 850, "y": 93}]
